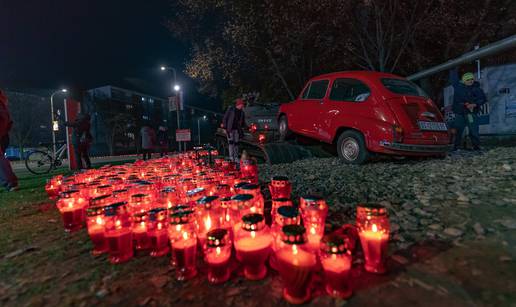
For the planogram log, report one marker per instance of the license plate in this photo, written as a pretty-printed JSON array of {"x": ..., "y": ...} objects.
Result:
[{"x": 432, "y": 126}]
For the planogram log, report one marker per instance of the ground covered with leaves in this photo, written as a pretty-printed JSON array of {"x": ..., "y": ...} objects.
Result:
[{"x": 453, "y": 242}]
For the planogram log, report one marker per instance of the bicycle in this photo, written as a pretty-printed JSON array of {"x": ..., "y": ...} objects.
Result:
[{"x": 41, "y": 162}]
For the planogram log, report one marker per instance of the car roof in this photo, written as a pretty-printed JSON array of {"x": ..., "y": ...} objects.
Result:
[{"x": 362, "y": 74}]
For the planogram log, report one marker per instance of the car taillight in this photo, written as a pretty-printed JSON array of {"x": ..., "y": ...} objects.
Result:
[
  {"x": 266, "y": 127},
  {"x": 397, "y": 134},
  {"x": 253, "y": 128},
  {"x": 261, "y": 138}
]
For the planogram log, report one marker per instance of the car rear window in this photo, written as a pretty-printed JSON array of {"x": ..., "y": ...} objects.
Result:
[{"x": 403, "y": 87}]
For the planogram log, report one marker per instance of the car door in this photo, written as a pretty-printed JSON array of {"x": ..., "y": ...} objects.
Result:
[
  {"x": 345, "y": 105},
  {"x": 309, "y": 106}
]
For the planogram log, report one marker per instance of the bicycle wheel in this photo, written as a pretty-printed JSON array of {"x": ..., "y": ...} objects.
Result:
[{"x": 38, "y": 162}]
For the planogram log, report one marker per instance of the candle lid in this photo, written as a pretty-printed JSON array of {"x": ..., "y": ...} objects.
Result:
[
  {"x": 240, "y": 184},
  {"x": 168, "y": 190},
  {"x": 288, "y": 211},
  {"x": 253, "y": 222},
  {"x": 334, "y": 244},
  {"x": 113, "y": 209},
  {"x": 194, "y": 192},
  {"x": 293, "y": 234},
  {"x": 279, "y": 178},
  {"x": 222, "y": 186},
  {"x": 180, "y": 217},
  {"x": 100, "y": 200},
  {"x": 217, "y": 237},
  {"x": 282, "y": 200},
  {"x": 311, "y": 198},
  {"x": 139, "y": 217},
  {"x": 68, "y": 194},
  {"x": 179, "y": 207},
  {"x": 206, "y": 200},
  {"x": 139, "y": 197},
  {"x": 143, "y": 183},
  {"x": 157, "y": 214},
  {"x": 104, "y": 186},
  {"x": 250, "y": 186},
  {"x": 95, "y": 211},
  {"x": 242, "y": 197},
  {"x": 372, "y": 209},
  {"x": 121, "y": 191}
]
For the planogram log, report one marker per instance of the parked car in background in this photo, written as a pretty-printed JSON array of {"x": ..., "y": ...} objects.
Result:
[{"x": 364, "y": 112}]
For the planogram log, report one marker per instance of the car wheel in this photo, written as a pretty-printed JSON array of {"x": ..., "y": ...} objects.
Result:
[
  {"x": 284, "y": 132},
  {"x": 351, "y": 147}
]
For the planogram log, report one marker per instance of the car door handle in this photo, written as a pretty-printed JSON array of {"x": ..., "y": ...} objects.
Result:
[{"x": 321, "y": 102}]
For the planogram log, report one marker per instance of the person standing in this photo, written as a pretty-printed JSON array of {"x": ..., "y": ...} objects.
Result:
[
  {"x": 148, "y": 141},
  {"x": 163, "y": 140},
  {"x": 468, "y": 97},
  {"x": 7, "y": 177},
  {"x": 81, "y": 139},
  {"x": 234, "y": 124}
]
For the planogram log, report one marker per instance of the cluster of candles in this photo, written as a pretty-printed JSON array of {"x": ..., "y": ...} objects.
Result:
[{"x": 187, "y": 207}]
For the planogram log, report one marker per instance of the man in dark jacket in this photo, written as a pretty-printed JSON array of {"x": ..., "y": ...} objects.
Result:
[
  {"x": 467, "y": 99},
  {"x": 7, "y": 177},
  {"x": 81, "y": 139},
  {"x": 234, "y": 124}
]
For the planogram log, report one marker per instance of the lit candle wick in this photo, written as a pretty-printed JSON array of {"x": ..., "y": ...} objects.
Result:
[
  {"x": 217, "y": 250},
  {"x": 253, "y": 234},
  {"x": 185, "y": 235},
  {"x": 374, "y": 228},
  {"x": 294, "y": 249}
]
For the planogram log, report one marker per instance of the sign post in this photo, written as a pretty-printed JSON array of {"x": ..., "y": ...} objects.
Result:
[
  {"x": 72, "y": 109},
  {"x": 183, "y": 135}
]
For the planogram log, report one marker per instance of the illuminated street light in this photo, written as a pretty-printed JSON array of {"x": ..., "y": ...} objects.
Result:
[
  {"x": 177, "y": 88},
  {"x": 55, "y": 124}
]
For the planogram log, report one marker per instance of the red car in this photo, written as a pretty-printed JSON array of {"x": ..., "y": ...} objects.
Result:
[{"x": 364, "y": 112}]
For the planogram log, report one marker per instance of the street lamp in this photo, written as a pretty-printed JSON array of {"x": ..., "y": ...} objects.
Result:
[
  {"x": 176, "y": 88},
  {"x": 55, "y": 125},
  {"x": 199, "y": 127}
]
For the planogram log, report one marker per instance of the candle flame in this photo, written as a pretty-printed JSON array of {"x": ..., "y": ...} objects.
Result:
[
  {"x": 207, "y": 223},
  {"x": 185, "y": 235},
  {"x": 160, "y": 226},
  {"x": 253, "y": 234},
  {"x": 142, "y": 224},
  {"x": 169, "y": 204},
  {"x": 228, "y": 217},
  {"x": 312, "y": 230},
  {"x": 99, "y": 220},
  {"x": 178, "y": 227},
  {"x": 217, "y": 250},
  {"x": 294, "y": 249},
  {"x": 118, "y": 223},
  {"x": 253, "y": 209},
  {"x": 374, "y": 228}
]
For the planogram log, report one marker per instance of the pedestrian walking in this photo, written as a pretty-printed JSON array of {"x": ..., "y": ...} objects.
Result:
[
  {"x": 81, "y": 139},
  {"x": 163, "y": 140},
  {"x": 148, "y": 141},
  {"x": 468, "y": 97},
  {"x": 234, "y": 125},
  {"x": 7, "y": 177}
]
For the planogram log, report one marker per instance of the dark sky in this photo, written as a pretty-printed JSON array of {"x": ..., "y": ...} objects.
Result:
[{"x": 85, "y": 43}]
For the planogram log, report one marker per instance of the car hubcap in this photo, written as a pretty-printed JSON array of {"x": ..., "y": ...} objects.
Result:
[{"x": 350, "y": 149}]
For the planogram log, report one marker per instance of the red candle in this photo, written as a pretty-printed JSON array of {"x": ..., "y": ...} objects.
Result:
[
  {"x": 373, "y": 230},
  {"x": 253, "y": 245},
  {"x": 95, "y": 222},
  {"x": 249, "y": 168},
  {"x": 168, "y": 197},
  {"x": 139, "y": 228},
  {"x": 183, "y": 239},
  {"x": 140, "y": 203},
  {"x": 314, "y": 211},
  {"x": 336, "y": 261},
  {"x": 208, "y": 216},
  {"x": 157, "y": 232},
  {"x": 217, "y": 254},
  {"x": 280, "y": 187},
  {"x": 286, "y": 215},
  {"x": 254, "y": 190},
  {"x": 72, "y": 207},
  {"x": 118, "y": 233},
  {"x": 277, "y": 203},
  {"x": 296, "y": 264}
]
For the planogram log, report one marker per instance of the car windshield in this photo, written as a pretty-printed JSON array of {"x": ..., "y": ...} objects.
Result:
[{"x": 403, "y": 87}]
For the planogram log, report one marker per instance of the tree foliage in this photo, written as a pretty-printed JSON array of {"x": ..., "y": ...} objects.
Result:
[{"x": 275, "y": 46}]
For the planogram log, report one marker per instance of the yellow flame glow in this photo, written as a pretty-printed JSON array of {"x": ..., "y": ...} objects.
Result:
[
  {"x": 253, "y": 234},
  {"x": 99, "y": 220},
  {"x": 217, "y": 250},
  {"x": 312, "y": 230},
  {"x": 374, "y": 228},
  {"x": 207, "y": 223},
  {"x": 185, "y": 235},
  {"x": 294, "y": 249}
]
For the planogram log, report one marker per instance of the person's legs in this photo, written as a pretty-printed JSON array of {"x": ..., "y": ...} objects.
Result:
[
  {"x": 474, "y": 133},
  {"x": 7, "y": 177},
  {"x": 235, "y": 137},
  {"x": 459, "y": 124},
  {"x": 78, "y": 158},
  {"x": 86, "y": 156},
  {"x": 231, "y": 145}
]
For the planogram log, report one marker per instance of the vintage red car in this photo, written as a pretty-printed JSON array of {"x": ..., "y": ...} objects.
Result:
[{"x": 364, "y": 112}]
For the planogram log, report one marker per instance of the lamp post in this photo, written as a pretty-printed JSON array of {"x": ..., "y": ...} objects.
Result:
[
  {"x": 199, "y": 128},
  {"x": 175, "y": 89},
  {"x": 55, "y": 127}
]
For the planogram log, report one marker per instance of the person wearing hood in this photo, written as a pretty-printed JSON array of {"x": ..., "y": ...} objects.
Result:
[
  {"x": 468, "y": 97},
  {"x": 234, "y": 124},
  {"x": 81, "y": 139},
  {"x": 7, "y": 177}
]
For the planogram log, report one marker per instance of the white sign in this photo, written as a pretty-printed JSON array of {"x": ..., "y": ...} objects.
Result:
[
  {"x": 172, "y": 104},
  {"x": 183, "y": 135}
]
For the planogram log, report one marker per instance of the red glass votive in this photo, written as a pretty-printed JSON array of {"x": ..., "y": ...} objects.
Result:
[
  {"x": 193, "y": 195},
  {"x": 217, "y": 254},
  {"x": 221, "y": 190},
  {"x": 207, "y": 217},
  {"x": 139, "y": 228},
  {"x": 373, "y": 230},
  {"x": 95, "y": 222},
  {"x": 336, "y": 261},
  {"x": 280, "y": 187},
  {"x": 72, "y": 207},
  {"x": 52, "y": 188},
  {"x": 140, "y": 203},
  {"x": 118, "y": 233},
  {"x": 241, "y": 205},
  {"x": 277, "y": 203},
  {"x": 296, "y": 263},
  {"x": 254, "y": 190},
  {"x": 158, "y": 232},
  {"x": 253, "y": 245},
  {"x": 286, "y": 215},
  {"x": 168, "y": 197},
  {"x": 249, "y": 168},
  {"x": 314, "y": 211},
  {"x": 121, "y": 195},
  {"x": 183, "y": 239}
]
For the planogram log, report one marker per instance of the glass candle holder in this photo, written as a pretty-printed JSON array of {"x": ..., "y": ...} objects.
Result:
[
  {"x": 139, "y": 228},
  {"x": 208, "y": 216},
  {"x": 118, "y": 233},
  {"x": 373, "y": 231},
  {"x": 254, "y": 190},
  {"x": 217, "y": 254},
  {"x": 277, "y": 203},
  {"x": 105, "y": 189},
  {"x": 286, "y": 215},
  {"x": 121, "y": 195},
  {"x": 158, "y": 232},
  {"x": 193, "y": 195},
  {"x": 253, "y": 245},
  {"x": 296, "y": 263},
  {"x": 241, "y": 205},
  {"x": 140, "y": 203},
  {"x": 249, "y": 168},
  {"x": 239, "y": 183},
  {"x": 314, "y": 211},
  {"x": 183, "y": 239},
  {"x": 280, "y": 187},
  {"x": 221, "y": 190},
  {"x": 72, "y": 207},
  {"x": 101, "y": 201},
  {"x": 168, "y": 196},
  {"x": 336, "y": 261},
  {"x": 95, "y": 222}
]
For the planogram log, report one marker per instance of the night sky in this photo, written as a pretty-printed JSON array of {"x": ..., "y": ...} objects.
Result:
[{"x": 85, "y": 43}]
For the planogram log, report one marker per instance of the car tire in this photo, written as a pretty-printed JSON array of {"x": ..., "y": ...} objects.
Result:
[
  {"x": 351, "y": 147},
  {"x": 284, "y": 131}
]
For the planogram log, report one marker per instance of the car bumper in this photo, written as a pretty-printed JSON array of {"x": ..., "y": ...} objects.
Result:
[{"x": 415, "y": 148}]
